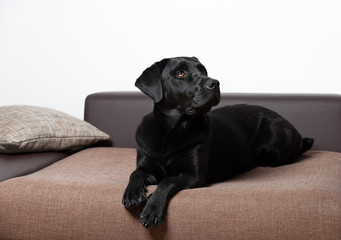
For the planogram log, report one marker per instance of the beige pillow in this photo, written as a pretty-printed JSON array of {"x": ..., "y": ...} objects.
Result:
[{"x": 37, "y": 129}]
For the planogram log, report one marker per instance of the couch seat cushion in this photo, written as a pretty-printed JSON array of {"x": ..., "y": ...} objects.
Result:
[{"x": 79, "y": 197}]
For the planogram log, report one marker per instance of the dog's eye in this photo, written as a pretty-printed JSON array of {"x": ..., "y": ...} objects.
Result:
[{"x": 180, "y": 73}]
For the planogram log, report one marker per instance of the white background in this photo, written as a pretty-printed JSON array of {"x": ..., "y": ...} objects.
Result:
[{"x": 55, "y": 53}]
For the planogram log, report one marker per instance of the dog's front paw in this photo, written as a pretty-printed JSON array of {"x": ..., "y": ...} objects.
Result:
[
  {"x": 151, "y": 215},
  {"x": 134, "y": 196}
]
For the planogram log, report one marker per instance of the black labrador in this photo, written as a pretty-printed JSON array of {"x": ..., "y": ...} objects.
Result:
[{"x": 182, "y": 144}]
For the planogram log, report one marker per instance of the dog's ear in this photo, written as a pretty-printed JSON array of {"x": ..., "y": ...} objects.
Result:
[
  {"x": 150, "y": 81},
  {"x": 195, "y": 58}
]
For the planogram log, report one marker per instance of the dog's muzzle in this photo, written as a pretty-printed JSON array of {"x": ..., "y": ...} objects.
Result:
[
  {"x": 206, "y": 99},
  {"x": 212, "y": 84}
]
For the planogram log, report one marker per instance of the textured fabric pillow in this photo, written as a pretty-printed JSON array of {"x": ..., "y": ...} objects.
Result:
[{"x": 38, "y": 129}]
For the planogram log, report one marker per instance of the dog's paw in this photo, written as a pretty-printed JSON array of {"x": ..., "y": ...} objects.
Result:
[
  {"x": 151, "y": 215},
  {"x": 134, "y": 197}
]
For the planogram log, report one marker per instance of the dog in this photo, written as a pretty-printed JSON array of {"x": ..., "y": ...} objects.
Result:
[{"x": 182, "y": 144}]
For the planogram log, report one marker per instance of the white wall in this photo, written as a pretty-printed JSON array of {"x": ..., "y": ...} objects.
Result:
[{"x": 55, "y": 53}]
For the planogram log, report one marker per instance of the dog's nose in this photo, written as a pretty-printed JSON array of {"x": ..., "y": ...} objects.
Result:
[{"x": 211, "y": 84}]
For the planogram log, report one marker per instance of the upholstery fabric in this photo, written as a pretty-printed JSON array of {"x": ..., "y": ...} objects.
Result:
[
  {"x": 79, "y": 197},
  {"x": 37, "y": 129}
]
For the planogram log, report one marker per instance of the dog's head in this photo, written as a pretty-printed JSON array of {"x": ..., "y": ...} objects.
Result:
[{"x": 180, "y": 83}]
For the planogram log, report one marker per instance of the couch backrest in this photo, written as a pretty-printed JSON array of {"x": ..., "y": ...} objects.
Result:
[{"x": 314, "y": 115}]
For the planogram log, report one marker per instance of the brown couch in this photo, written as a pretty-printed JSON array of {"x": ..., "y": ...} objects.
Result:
[{"x": 79, "y": 195}]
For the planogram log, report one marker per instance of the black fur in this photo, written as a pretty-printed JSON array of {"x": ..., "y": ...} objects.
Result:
[{"x": 182, "y": 145}]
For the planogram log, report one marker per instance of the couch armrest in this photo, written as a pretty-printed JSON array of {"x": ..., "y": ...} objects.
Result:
[
  {"x": 21, "y": 164},
  {"x": 117, "y": 114},
  {"x": 314, "y": 115}
]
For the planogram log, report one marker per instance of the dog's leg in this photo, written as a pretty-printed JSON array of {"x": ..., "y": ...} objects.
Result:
[
  {"x": 156, "y": 206},
  {"x": 135, "y": 193}
]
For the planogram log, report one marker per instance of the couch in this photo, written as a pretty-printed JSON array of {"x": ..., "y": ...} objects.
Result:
[{"x": 77, "y": 194}]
